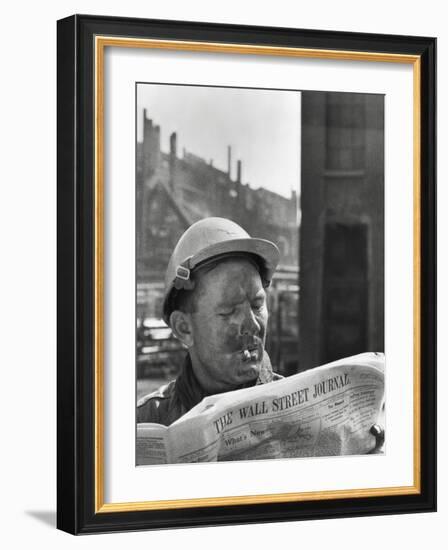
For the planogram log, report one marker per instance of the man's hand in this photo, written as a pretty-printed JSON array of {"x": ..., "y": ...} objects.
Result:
[{"x": 378, "y": 432}]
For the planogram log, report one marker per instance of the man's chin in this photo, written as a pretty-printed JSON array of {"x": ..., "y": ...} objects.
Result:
[{"x": 248, "y": 373}]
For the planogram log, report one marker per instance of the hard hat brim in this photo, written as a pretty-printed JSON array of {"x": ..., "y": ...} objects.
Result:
[{"x": 263, "y": 248}]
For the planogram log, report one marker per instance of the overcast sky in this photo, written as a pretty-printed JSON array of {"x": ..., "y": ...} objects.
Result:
[{"x": 261, "y": 126}]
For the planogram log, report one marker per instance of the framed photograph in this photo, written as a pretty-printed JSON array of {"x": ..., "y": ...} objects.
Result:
[{"x": 246, "y": 274}]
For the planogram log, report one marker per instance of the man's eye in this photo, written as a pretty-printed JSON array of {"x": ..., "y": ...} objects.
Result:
[
  {"x": 227, "y": 312},
  {"x": 257, "y": 306}
]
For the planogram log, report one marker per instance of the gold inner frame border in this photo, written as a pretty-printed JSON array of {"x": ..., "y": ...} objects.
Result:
[{"x": 100, "y": 43}]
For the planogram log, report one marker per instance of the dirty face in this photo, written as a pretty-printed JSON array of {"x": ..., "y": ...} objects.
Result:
[{"x": 228, "y": 326}]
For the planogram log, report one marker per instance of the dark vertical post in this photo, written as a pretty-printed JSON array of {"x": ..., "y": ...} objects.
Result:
[{"x": 312, "y": 227}]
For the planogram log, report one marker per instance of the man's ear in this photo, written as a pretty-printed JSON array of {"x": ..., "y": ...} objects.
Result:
[{"x": 180, "y": 324}]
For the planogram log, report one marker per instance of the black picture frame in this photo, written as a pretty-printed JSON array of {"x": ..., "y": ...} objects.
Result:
[{"x": 78, "y": 509}]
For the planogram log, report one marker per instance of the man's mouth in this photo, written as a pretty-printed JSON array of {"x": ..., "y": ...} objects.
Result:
[
  {"x": 250, "y": 351},
  {"x": 249, "y": 355}
]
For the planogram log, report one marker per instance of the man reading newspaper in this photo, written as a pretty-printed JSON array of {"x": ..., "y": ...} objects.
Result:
[{"x": 215, "y": 304}]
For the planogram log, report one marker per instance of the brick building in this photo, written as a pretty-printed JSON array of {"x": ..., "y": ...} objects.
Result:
[{"x": 174, "y": 191}]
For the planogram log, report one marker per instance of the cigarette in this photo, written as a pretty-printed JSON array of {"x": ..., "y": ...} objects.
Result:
[{"x": 249, "y": 355}]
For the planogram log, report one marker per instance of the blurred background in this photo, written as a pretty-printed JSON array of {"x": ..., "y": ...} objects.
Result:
[{"x": 303, "y": 169}]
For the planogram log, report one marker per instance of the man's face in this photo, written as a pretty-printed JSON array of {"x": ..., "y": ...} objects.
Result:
[{"x": 229, "y": 326}]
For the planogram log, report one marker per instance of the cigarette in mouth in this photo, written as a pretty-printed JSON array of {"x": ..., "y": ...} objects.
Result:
[{"x": 249, "y": 355}]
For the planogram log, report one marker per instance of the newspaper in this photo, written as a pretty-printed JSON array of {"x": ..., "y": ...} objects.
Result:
[{"x": 325, "y": 411}]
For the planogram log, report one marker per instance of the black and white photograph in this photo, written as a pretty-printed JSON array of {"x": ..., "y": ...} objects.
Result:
[{"x": 259, "y": 234}]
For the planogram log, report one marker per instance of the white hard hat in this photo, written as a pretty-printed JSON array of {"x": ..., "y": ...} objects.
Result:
[{"x": 210, "y": 239}]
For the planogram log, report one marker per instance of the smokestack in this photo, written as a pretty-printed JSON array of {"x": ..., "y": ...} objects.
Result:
[
  {"x": 229, "y": 161},
  {"x": 151, "y": 146},
  {"x": 173, "y": 144},
  {"x": 238, "y": 171},
  {"x": 173, "y": 155}
]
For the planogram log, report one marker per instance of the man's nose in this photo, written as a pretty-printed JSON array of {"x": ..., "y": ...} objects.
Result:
[{"x": 250, "y": 324}]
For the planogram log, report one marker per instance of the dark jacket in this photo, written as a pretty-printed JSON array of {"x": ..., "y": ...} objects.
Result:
[{"x": 174, "y": 399}]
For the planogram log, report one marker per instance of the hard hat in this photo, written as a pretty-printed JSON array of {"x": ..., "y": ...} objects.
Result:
[{"x": 209, "y": 240}]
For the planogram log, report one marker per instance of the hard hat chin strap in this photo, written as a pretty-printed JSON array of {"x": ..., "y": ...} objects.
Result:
[{"x": 183, "y": 281}]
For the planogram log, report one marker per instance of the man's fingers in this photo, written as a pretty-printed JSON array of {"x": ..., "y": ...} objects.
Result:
[{"x": 378, "y": 432}]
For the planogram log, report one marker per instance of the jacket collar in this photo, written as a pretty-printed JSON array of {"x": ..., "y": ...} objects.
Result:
[{"x": 189, "y": 391}]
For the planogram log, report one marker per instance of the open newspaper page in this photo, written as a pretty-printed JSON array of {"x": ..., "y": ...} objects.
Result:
[
  {"x": 152, "y": 444},
  {"x": 326, "y": 411}
]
